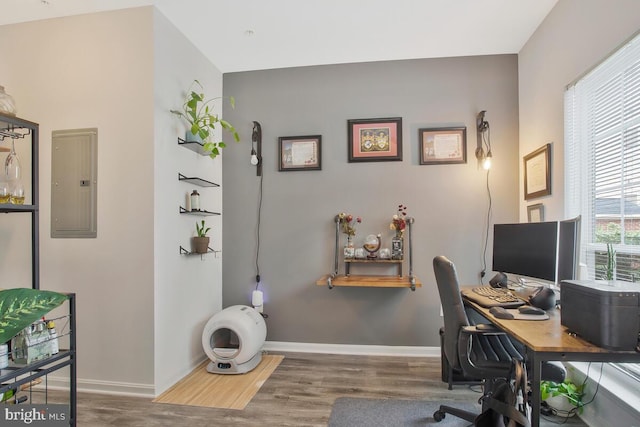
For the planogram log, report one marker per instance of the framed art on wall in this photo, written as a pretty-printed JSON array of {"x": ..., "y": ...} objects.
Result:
[
  {"x": 537, "y": 173},
  {"x": 374, "y": 140},
  {"x": 535, "y": 213},
  {"x": 443, "y": 145},
  {"x": 298, "y": 153}
]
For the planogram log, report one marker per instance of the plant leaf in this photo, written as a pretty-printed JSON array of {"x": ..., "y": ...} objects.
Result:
[{"x": 20, "y": 307}]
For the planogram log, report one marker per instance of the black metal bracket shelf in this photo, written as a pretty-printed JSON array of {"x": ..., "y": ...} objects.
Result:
[
  {"x": 198, "y": 213},
  {"x": 195, "y": 146},
  {"x": 184, "y": 251},
  {"x": 197, "y": 181}
]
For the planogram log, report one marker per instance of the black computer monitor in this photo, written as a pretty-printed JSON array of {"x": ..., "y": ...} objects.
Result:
[
  {"x": 526, "y": 249},
  {"x": 568, "y": 249}
]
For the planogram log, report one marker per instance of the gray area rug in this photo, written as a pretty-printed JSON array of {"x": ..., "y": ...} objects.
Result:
[{"x": 354, "y": 412}]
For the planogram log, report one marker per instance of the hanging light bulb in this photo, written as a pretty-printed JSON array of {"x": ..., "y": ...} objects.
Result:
[
  {"x": 254, "y": 157},
  {"x": 486, "y": 163}
]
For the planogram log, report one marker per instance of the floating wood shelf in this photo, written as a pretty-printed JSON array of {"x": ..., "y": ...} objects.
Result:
[{"x": 370, "y": 281}]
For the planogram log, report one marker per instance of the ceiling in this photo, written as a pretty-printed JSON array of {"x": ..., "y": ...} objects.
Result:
[{"x": 243, "y": 35}]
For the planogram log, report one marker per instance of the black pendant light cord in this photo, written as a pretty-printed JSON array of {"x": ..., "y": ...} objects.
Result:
[
  {"x": 486, "y": 236},
  {"x": 258, "y": 232}
]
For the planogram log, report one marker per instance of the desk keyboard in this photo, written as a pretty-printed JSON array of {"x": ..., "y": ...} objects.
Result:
[{"x": 487, "y": 296}]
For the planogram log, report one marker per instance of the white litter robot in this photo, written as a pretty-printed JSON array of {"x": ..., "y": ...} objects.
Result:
[{"x": 233, "y": 340}]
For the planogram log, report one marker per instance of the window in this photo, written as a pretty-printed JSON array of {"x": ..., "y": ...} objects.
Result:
[
  {"x": 602, "y": 162},
  {"x": 602, "y": 166}
]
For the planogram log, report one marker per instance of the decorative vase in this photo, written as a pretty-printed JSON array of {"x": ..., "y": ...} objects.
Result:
[
  {"x": 189, "y": 137},
  {"x": 200, "y": 245},
  {"x": 349, "y": 249},
  {"x": 397, "y": 246}
]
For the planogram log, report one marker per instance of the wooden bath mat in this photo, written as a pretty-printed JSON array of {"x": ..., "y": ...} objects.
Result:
[{"x": 224, "y": 391}]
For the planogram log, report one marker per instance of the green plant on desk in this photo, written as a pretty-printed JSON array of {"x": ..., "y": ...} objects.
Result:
[{"x": 573, "y": 393}]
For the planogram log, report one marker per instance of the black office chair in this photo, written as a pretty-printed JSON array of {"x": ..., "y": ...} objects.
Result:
[{"x": 479, "y": 351}]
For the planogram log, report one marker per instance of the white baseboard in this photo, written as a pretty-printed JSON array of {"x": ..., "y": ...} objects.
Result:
[
  {"x": 103, "y": 387},
  {"x": 148, "y": 390},
  {"x": 365, "y": 350}
]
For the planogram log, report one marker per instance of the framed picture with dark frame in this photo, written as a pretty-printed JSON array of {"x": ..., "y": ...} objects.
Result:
[
  {"x": 537, "y": 173},
  {"x": 375, "y": 140},
  {"x": 444, "y": 145},
  {"x": 535, "y": 213},
  {"x": 300, "y": 153}
]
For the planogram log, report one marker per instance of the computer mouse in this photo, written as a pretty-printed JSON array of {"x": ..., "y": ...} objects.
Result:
[
  {"x": 500, "y": 313},
  {"x": 528, "y": 309}
]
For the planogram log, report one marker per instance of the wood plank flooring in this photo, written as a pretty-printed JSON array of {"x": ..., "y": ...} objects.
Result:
[{"x": 300, "y": 392}]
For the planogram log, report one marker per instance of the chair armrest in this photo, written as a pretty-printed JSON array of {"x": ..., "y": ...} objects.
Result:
[{"x": 482, "y": 329}]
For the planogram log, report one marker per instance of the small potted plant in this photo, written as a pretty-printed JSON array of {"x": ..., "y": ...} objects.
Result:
[
  {"x": 610, "y": 268},
  {"x": 564, "y": 397},
  {"x": 200, "y": 243},
  {"x": 198, "y": 112}
]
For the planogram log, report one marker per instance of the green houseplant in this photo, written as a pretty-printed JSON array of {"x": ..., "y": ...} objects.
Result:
[
  {"x": 564, "y": 396},
  {"x": 610, "y": 268},
  {"x": 20, "y": 307},
  {"x": 198, "y": 112},
  {"x": 200, "y": 243}
]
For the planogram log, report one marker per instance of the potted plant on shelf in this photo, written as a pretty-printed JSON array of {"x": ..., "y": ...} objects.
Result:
[
  {"x": 198, "y": 112},
  {"x": 200, "y": 243},
  {"x": 565, "y": 397}
]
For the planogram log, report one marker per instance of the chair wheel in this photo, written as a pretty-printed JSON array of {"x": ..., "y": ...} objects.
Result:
[{"x": 438, "y": 416}]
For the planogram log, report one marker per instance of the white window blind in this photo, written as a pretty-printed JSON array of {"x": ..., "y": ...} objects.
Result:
[{"x": 602, "y": 162}]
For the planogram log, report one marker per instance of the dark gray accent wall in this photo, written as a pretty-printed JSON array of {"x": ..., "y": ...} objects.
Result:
[{"x": 449, "y": 202}]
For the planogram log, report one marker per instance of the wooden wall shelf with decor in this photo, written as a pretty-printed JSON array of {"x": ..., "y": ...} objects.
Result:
[{"x": 371, "y": 281}]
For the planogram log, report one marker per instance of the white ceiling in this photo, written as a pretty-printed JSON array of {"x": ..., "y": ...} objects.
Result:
[{"x": 242, "y": 35}]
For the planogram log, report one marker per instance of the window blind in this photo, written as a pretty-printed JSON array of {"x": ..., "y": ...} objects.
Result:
[{"x": 602, "y": 162}]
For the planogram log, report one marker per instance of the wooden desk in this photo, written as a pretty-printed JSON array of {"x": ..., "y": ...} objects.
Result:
[{"x": 547, "y": 340}]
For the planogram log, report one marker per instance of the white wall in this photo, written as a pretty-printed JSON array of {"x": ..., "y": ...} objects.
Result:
[
  {"x": 575, "y": 36},
  {"x": 141, "y": 305},
  {"x": 93, "y": 71},
  {"x": 188, "y": 289}
]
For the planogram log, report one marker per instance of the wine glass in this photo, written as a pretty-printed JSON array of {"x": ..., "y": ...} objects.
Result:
[
  {"x": 5, "y": 191},
  {"x": 12, "y": 168},
  {"x": 17, "y": 193}
]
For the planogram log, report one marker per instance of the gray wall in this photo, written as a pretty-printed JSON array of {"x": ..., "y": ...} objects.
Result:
[{"x": 449, "y": 202}]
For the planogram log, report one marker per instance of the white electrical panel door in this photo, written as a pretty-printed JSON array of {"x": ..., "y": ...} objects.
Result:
[{"x": 74, "y": 181}]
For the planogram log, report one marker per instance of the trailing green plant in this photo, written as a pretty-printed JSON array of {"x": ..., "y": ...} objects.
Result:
[
  {"x": 20, "y": 307},
  {"x": 201, "y": 230},
  {"x": 198, "y": 112},
  {"x": 573, "y": 393}
]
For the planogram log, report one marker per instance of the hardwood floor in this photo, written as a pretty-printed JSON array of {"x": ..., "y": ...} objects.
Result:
[{"x": 300, "y": 392}]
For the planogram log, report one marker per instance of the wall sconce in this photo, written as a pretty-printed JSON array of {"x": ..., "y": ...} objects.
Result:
[
  {"x": 256, "y": 148},
  {"x": 483, "y": 150}
]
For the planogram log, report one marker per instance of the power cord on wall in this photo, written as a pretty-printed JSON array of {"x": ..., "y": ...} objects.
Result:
[
  {"x": 486, "y": 236},
  {"x": 256, "y": 160}
]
